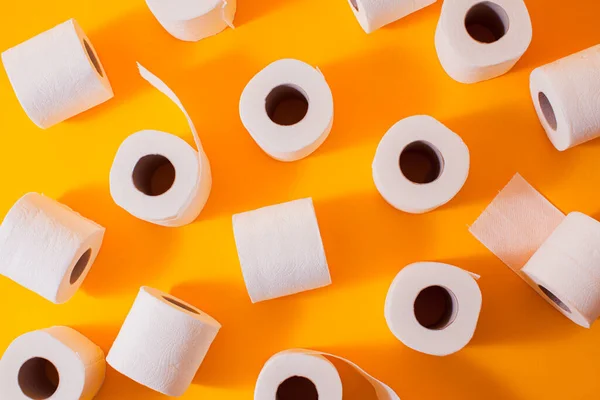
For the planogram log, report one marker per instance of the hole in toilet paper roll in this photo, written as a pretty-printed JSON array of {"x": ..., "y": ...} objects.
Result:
[
  {"x": 547, "y": 110},
  {"x": 286, "y": 105},
  {"x": 153, "y": 175},
  {"x": 487, "y": 22},
  {"x": 555, "y": 299},
  {"x": 38, "y": 378},
  {"x": 93, "y": 57},
  {"x": 80, "y": 266},
  {"x": 354, "y": 4},
  {"x": 421, "y": 162},
  {"x": 180, "y": 304},
  {"x": 435, "y": 307},
  {"x": 297, "y": 388}
]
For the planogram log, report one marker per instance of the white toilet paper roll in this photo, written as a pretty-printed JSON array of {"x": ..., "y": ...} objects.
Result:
[
  {"x": 433, "y": 307},
  {"x": 193, "y": 20},
  {"x": 374, "y": 14},
  {"x": 280, "y": 250},
  {"x": 308, "y": 374},
  {"x": 57, "y": 74},
  {"x": 565, "y": 95},
  {"x": 47, "y": 247},
  {"x": 57, "y": 363},
  {"x": 479, "y": 40},
  {"x": 158, "y": 177},
  {"x": 420, "y": 165},
  {"x": 288, "y": 109},
  {"x": 162, "y": 342}
]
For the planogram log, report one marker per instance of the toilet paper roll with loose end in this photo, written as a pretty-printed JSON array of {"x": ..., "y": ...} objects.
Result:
[
  {"x": 374, "y": 14},
  {"x": 433, "y": 307},
  {"x": 479, "y": 40},
  {"x": 193, "y": 20},
  {"x": 47, "y": 247},
  {"x": 280, "y": 250},
  {"x": 57, "y": 363},
  {"x": 157, "y": 176},
  {"x": 308, "y": 374},
  {"x": 288, "y": 109},
  {"x": 57, "y": 74},
  {"x": 420, "y": 165},
  {"x": 565, "y": 95},
  {"x": 162, "y": 342}
]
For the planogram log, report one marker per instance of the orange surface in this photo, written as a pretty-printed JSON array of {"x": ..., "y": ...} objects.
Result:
[{"x": 523, "y": 349}]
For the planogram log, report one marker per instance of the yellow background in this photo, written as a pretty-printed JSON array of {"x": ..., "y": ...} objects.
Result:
[{"x": 523, "y": 348}]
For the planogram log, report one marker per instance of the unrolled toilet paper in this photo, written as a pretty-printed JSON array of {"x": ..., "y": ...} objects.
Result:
[
  {"x": 565, "y": 96},
  {"x": 288, "y": 109},
  {"x": 374, "y": 14},
  {"x": 157, "y": 176},
  {"x": 162, "y": 342},
  {"x": 47, "y": 247},
  {"x": 420, "y": 165},
  {"x": 433, "y": 307},
  {"x": 57, "y": 363},
  {"x": 57, "y": 74},
  {"x": 280, "y": 250},
  {"x": 193, "y": 20},
  {"x": 308, "y": 374},
  {"x": 479, "y": 40}
]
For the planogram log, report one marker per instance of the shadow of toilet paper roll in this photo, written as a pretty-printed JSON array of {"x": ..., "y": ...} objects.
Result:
[{"x": 374, "y": 14}]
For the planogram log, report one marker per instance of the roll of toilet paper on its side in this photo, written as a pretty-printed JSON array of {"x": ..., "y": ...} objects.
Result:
[
  {"x": 479, "y": 40},
  {"x": 162, "y": 342},
  {"x": 288, "y": 109},
  {"x": 308, "y": 374},
  {"x": 280, "y": 250},
  {"x": 420, "y": 165},
  {"x": 374, "y": 14},
  {"x": 433, "y": 307},
  {"x": 54, "y": 363},
  {"x": 57, "y": 74},
  {"x": 565, "y": 96},
  {"x": 47, "y": 247}
]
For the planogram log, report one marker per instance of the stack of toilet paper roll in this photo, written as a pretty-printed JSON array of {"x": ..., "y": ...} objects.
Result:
[{"x": 374, "y": 14}]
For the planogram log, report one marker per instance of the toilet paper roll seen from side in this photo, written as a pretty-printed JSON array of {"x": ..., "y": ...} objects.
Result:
[
  {"x": 57, "y": 74},
  {"x": 288, "y": 109},
  {"x": 55, "y": 363},
  {"x": 193, "y": 20},
  {"x": 280, "y": 250},
  {"x": 47, "y": 247},
  {"x": 479, "y": 40},
  {"x": 162, "y": 342},
  {"x": 565, "y": 96},
  {"x": 420, "y": 165},
  {"x": 433, "y": 307},
  {"x": 374, "y": 14}
]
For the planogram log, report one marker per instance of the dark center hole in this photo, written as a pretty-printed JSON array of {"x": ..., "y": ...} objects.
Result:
[
  {"x": 487, "y": 22},
  {"x": 80, "y": 266},
  {"x": 38, "y": 378},
  {"x": 420, "y": 162},
  {"x": 286, "y": 105},
  {"x": 180, "y": 304},
  {"x": 354, "y": 4},
  {"x": 435, "y": 307},
  {"x": 547, "y": 110},
  {"x": 297, "y": 388},
  {"x": 555, "y": 299},
  {"x": 153, "y": 175},
  {"x": 93, "y": 57}
]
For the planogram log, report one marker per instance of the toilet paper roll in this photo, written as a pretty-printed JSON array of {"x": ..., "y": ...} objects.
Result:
[
  {"x": 157, "y": 176},
  {"x": 162, "y": 342},
  {"x": 280, "y": 250},
  {"x": 479, "y": 40},
  {"x": 57, "y": 363},
  {"x": 420, "y": 165},
  {"x": 308, "y": 374},
  {"x": 193, "y": 20},
  {"x": 47, "y": 247},
  {"x": 288, "y": 109},
  {"x": 57, "y": 74},
  {"x": 374, "y": 14},
  {"x": 433, "y": 307},
  {"x": 565, "y": 96}
]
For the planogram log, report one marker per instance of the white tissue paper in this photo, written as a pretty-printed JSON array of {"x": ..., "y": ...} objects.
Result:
[
  {"x": 157, "y": 176},
  {"x": 374, "y": 14},
  {"x": 308, "y": 374},
  {"x": 47, "y": 247},
  {"x": 433, "y": 308},
  {"x": 193, "y": 20},
  {"x": 566, "y": 97},
  {"x": 288, "y": 109},
  {"x": 57, "y": 363},
  {"x": 280, "y": 250},
  {"x": 162, "y": 342},
  {"x": 57, "y": 75},
  {"x": 479, "y": 40},
  {"x": 420, "y": 165}
]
